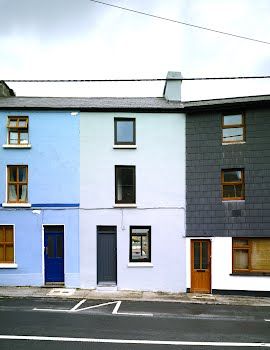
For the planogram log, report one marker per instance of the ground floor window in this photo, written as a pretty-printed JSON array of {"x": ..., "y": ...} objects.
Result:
[
  {"x": 251, "y": 255},
  {"x": 6, "y": 244},
  {"x": 140, "y": 244}
]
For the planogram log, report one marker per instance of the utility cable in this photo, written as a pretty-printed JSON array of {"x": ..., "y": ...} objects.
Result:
[{"x": 183, "y": 23}]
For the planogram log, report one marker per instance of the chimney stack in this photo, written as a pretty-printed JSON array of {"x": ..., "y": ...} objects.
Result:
[{"x": 172, "y": 89}]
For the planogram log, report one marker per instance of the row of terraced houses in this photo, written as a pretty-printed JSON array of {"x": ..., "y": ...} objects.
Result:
[{"x": 147, "y": 194}]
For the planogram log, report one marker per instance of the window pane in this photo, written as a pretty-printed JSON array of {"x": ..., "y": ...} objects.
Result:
[
  {"x": 12, "y": 123},
  {"x": 197, "y": 264},
  {"x": 260, "y": 254},
  {"x": 235, "y": 119},
  {"x": 13, "y": 137},
  {"x": 240, "y": 259},
  {"x": 12, "y": 193},
  {"x": 204, "y": 255},
  {"x": 125, "y": 189},
  {"x": 23, "y": 193},
  {"x": 59, "y": 247},
  {"x": 233, "y": 134},
  {"x": 240, "y": 242},
  {"x": 9, "y": 234},
  {"x": 232, "y": 191},
  {"x": 2, "y": 253},
  {"x": 2, "y": 234},
  {"x": 24, "y": 138},
  {"x": 22, "y": 123},
  {"x": 12, "y": 173},
  {"x": 136, "y": 247},
  {"x": 232, "y": 176},
  {"x": 124, "y": 131},
  {"x": 145, "y": 247},
  {"x": 9, "y": 253},
  {"x": 22, "y": 174}
]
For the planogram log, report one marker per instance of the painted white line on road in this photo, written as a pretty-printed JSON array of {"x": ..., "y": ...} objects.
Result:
[
  {"x": 267, "y": 320},
  {"x": 117, "y": 306},
  {"x": 78, "y": 305},
  {"x": 133, "y": 341},
  {"x": 96, "y": 306},
  {"x": 51, "y": 310},
  {"x": 115, "y": 310}
]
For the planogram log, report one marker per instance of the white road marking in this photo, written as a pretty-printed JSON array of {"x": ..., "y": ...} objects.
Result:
[
  {"x": 267, "y": 320},
  {"x": 117, "y": 306},
  {"x": 95, "y": 306},
  {"x": 133, "y": 341},
  {"x": 51, "y": 310},
  {"x": 78, "y": 305},
  {"x": 115, "y": 310}
]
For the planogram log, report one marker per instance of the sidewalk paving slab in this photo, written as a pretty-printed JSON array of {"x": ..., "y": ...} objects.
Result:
[{"x": 66, "y": 293}]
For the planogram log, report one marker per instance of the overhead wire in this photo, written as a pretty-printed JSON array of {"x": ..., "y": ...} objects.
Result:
[{"x": 181, "y": 22}]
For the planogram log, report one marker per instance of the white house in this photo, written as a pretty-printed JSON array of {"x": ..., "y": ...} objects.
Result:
[{"x": 132, "y": 192}]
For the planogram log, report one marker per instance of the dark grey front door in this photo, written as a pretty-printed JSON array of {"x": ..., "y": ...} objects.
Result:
[{"x": 106, "y": 254}]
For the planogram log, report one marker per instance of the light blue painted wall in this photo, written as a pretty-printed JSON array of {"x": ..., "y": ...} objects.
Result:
[
  {"x": 53, "y": 177},
  {"x": 160, "y": 198}
]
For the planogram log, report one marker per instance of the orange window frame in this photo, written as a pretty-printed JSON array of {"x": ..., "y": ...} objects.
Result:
[
  {"x": 4, "y": 243},
  {"x": 17, "y": 183},
  {"x": 237, "y": 246},
  {"x": 17, "y": 128},
  {"x": 232, "y": 183},
  {"x": 234, "y": 126}
]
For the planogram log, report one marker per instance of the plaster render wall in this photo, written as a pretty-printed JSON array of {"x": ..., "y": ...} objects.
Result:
[
  {"x": 160, "y": 197},
  {"x": 221, "y": 267}
]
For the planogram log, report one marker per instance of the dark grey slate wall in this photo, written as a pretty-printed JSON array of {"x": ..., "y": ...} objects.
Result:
[{"x": 207, "y": 214}]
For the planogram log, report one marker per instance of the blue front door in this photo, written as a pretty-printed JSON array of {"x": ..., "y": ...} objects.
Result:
[{"x": 54, "y": 253}]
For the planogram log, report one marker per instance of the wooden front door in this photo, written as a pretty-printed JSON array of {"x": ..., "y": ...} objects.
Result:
[{"x": 200, "y": 266}]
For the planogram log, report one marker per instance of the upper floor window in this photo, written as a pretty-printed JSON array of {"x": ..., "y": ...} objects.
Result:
[
  {"x": 125, "y": 184},
  {"x": 233, "y": 128},
  {"x": 6, "y": 244},
  {"x": 17, "y": 183},
  {"x": 124, "y": 131},
  {"x": 140, "y": 244},
  {"x": 251, "y": 255},
  {"x": 233, "y": 186},
  {"x": 18, "y": 131}
]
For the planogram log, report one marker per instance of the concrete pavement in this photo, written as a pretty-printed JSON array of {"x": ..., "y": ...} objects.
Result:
[{"x": 44, "y": 292}]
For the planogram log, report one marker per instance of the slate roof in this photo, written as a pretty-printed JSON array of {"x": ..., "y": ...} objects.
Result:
[
  {"x": 91, "y": 103},
  {"x": 246, "y": 101},
  {"x": 139, "y": 104}
]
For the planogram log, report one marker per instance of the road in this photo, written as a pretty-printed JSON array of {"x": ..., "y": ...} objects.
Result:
[{"x": 37, "y": 323}]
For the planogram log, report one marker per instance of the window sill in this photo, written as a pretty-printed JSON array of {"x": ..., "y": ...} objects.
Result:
[
  {"x": 17, "y": 146},
  {"x": 140, "y": 264},
  {"x": 250, "y": 274},
  {"x": 123, "y": 205},
  {"x": 233, "y": 143},
  {"x": 16, "y": 205},
  {"x": 8, "y": 266},
  {"x": 124, "y": 146},
  {"x": 233, "y": 200}
]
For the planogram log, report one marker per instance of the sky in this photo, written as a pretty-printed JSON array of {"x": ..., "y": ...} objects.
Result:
[{"x": 64, "y": 39}]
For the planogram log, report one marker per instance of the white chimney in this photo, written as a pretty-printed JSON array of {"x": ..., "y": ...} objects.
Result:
[{"x": 172, "y": 89}]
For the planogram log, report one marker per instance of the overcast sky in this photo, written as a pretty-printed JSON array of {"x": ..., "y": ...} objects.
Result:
[{"x": 80, "y": 39}]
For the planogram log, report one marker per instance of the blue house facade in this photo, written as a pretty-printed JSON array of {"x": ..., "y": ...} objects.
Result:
[{"x": 39, "y": 195}]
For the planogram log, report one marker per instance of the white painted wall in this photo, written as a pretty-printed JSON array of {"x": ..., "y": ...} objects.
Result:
[
  {"x": 222, "y": 277},
  {"x": 160, "y": 185}
]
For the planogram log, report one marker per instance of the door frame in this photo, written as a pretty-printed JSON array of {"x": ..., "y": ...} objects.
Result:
[
  {"x": 42, "y": 250},
  {"x": 209, "y": 240},
  {"x": 116, "y": 265}
]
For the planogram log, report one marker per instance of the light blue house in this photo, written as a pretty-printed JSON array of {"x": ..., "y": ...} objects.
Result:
[{"x": 39, "y": 193}]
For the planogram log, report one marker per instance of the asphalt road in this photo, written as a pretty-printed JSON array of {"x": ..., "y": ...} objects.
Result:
[{"x": 91, "y": 324}]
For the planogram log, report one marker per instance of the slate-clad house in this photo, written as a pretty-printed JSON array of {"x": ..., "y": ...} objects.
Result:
[
  {"x": 228, "y": 195},
  {"x": 39, "y": 193}
]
